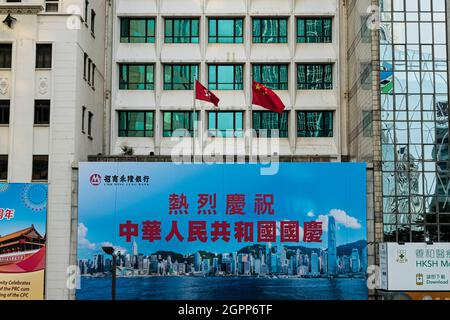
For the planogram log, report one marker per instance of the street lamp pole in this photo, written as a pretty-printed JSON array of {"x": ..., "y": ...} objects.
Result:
[{"x": 110, "y": 251}]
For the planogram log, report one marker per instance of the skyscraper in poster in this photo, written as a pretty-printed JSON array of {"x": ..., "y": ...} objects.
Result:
[{"x": 331, "y": 246}]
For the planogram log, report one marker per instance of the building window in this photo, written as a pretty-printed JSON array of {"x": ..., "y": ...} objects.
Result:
[
  {"x": 90, "y": 119},
  {"x": 179, "y": 120},
  {"x": 223, "y": 30},
  {"x": 40, "y": 168},
  {"x": 85, "y": 66},
  {"x": 42, "y": 112},
  {"x": 136, "y": 77},
  {"x": 43, "y": 56},
  {"x": 4, "y": 111},
  {"x": 83, "y": 117},
  {"x": 137, "y": 30},
  {"x": 93, "y": 76},
  {"x": 93, "y": 15},
  {"x": 366, "y": 33},
  {"x": 136, "y": 123},
  {"x": 3, "y": 167},
  {"x": 225, "y": 77},
  {"x": 274, "y": 76},
  {"x": 180, "y": 77},
  {"x": 314, "y": 30},
  {"x": 51, "y": 5},
  {"x": 266, "y": 121},
  {"x": 225, "y": 124},
  {"x": 367, "y": 124},
  {"x": 315, "y": 124},
  {"x": 270, "y": 30},
  {"x": 86, "y": 11},
  {"x": 181, "y": 30},
  {"x": 314, "y": 76},
  {"x": 5, "y": 55},
  {"x": 89, "y": 71}
]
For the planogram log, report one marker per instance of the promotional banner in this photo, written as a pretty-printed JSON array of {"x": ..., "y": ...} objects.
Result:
[
  {"x": 23, "y": 218},
  {"x": 415, "y": 266},
  {"x": 223, "y": 231}
]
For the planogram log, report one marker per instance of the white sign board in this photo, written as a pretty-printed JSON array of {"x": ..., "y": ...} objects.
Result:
[{"x": 415, "y": 267}]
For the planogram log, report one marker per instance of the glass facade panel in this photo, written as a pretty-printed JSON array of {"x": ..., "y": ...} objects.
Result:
[
  {"x": 314, "y": 76},
  {"x": 414, "y": 88},
  {"x": 226, "y": 124},
  {"x": 180, "y": 77},
  {"x": 314, "y": 30},
  {"x": 225, "y": 77},
  {"x": 136, "y": 124},
  {"x": 137, "y": 30},
  {"x": 315, "y": 124},
  {"x": 266, "y": 121},
  {"x": 273, "y": 76},
  {"x": 270, "y": 30},
  {"x": 181, "y": 30},
  {"x": 223, "y": 30},
  {"x": 179, "y": 123},
  {"x": 136, "y": 77}
]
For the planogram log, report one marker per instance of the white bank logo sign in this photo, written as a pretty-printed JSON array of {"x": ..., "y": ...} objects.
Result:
[{"x": 119, "y": 180}]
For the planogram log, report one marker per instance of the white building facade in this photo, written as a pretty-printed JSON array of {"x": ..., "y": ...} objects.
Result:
[
  {"x": 52, "y": 105},
  {"x": 292, "y": 46}
]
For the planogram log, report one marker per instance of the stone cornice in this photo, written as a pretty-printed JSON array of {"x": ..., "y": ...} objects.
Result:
[{"x": 29, "y": 9}]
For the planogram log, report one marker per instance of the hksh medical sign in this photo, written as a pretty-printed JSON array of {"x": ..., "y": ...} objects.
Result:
[
  {"x": 415, "y": 266},
  {"x": 23, "y": 218},
  {"x": 190, "y": 229}
]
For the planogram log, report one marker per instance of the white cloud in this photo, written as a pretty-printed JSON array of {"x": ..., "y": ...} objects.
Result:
[
  {"x": 341, "y": 218},
  {"x": 311, "y": 214},
  {"x": 116, "y": 248},
  {"x": 82, "y": 237}
]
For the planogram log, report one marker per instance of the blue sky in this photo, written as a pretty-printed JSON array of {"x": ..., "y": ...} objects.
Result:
[
  {"x": 23, "y": 198},
  {"x": 302, "y": 191}
]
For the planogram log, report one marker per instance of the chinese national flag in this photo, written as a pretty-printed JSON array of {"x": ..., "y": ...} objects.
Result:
[
  {"x": 204, "y": 94},
  {"x": 266, "y": 98}
]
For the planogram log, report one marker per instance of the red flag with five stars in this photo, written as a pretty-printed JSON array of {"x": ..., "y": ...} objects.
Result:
[
  {"x": 201, "y": 93},
  {"x": 266, "y": 98}
]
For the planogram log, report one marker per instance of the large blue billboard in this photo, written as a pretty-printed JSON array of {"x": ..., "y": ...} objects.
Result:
[{"x": 223, "y": 231}]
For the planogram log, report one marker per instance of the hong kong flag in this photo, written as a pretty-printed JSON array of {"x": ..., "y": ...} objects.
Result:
[
  {"x": 201, "y": 93},
  {"x": 266, "y": 98}
]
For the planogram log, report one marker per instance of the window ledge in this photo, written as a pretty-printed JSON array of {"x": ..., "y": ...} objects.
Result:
[
  {"x": 41, "y": 125},
  {"x": 5, "y": 69},
  {"x": 43, "y": 69},
  {"x": 4, "y": 125},
  {"x": 39, "y": 181}
]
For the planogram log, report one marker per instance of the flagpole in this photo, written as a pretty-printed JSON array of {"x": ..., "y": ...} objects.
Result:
[
  {"x": 250, "y": 152},
  {"x": 193, "y": 120}
]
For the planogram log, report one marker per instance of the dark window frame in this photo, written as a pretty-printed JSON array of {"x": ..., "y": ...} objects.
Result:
[
  {"x": 323, "y": 85},
  {"x": 129, "y": 37},
  {"x": 44, "y": 58},
  {"x": 215, "y": 132},
  {"x": 167, "y": 133},
  {"x": 40, "y": 168},
  {"x": 279, "y": 38},
  {"x": 283, "y": 133},
  {"x": 275, "y": 85},
  {"x": 315, "y": 39},
  {"x": 124, "y": 132},
  {"x": 215, "y": 38},
  {"x": 216, "y": 85},
  {"x": 42, "y": 112},
  {"x": 5, "y": 55},
  {"x": 5, "y": 112},
  {"x": 3, "y": 167},
  {"x": 308, "y": 133},
  {"x": 172, "y": 39},
  {"x": 170, "y": 85},
  {"x": 125, "y": 85}
]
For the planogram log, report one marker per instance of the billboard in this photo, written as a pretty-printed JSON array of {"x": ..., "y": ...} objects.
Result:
[
  {"x": 223, "y": 231},
  {"x": 23, "y": 219},
  {"x": 415, "y": 266}
]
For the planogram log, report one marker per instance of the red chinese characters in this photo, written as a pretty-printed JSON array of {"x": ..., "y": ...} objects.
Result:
[
  {"x": 312, "y": 231},
  {"x": 235, "y": 204},
  {"x": 7, "y": 214},
  {"x": 207, "y": 204},
  {"x": 267, "y": 231},
  {"x": 178, "y": 204},
  {"x": 289, "y": 231},
  {"x": 243, "y": 231},
  {"x": 197, "y": 231},
  {"x": 151, "y": 231},
  {"x": 174, "y": 232},
  {"x": 220, "y": 230},
  {"x": 264, "y": 204},
  {"x": 128, "y": 230}
]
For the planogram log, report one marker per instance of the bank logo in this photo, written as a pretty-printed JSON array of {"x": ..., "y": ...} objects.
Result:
[
  {"x": 401, "y": 256},
  {"x": 95, "y": 179},
  {"x": 419, "y": 279}
]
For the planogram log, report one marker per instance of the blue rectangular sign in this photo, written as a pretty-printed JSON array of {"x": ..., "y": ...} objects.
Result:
[{"x": 223, "y": 231}]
